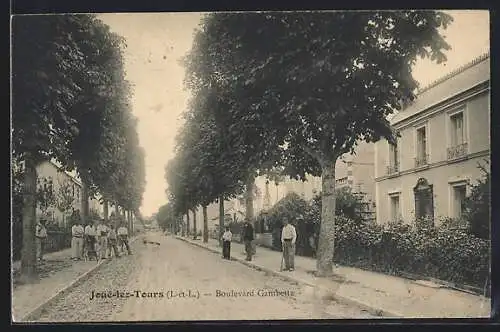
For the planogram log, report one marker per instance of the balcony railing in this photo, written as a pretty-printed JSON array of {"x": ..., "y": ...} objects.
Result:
[
  {"x": 391, "y": 169},
  {"x": 341, "y": 181},
  {"x": 457, "y": 151},
  {"x": 421, "y": 160}
]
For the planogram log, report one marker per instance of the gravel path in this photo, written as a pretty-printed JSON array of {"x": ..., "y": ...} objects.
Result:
[{"x": 154, "y": 280}]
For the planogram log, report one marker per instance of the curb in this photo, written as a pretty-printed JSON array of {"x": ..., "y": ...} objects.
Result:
[
  {"x": 340, "y": 298},
  {"x": 31, "y": 316}
]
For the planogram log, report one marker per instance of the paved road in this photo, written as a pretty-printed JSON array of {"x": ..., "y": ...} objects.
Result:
[{"x": 177, "y": 281}]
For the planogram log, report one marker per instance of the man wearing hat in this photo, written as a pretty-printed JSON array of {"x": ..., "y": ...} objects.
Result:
[
  {"x": 288, "y": 238},
  {"x": 248, "y": 238},
  {"x": 40, "y": 236}
]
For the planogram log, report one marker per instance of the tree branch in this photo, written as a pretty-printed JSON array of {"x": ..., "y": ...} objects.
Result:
[{"x": 315, "y": 154}]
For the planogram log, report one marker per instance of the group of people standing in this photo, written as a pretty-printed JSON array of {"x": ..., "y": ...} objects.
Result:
[
  {"x": 100, "y": 237},
  {"x": 288, "y": 239}
]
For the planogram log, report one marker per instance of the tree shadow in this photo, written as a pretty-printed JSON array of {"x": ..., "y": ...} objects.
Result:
[{"x": 44, "y": 269}]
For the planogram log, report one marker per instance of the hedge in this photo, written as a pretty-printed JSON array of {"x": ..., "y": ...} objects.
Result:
[{"x": 444, "y": 253}]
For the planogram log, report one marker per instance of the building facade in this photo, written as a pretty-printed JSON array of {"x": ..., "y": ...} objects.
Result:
[
  {"x": 352, "y": 170},
  {"x": 444, "y": 134},
  {"x": 65, "y": 186}
]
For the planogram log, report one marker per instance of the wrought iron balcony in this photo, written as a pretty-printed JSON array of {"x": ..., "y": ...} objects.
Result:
[
  {"x": 391, "y": 169},
  {"x": 457, "y": 151},
  {"x": 421, "y": 160}
]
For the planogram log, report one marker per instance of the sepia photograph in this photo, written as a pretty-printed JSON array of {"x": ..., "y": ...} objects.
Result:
[{"x": 250, "y": 166}]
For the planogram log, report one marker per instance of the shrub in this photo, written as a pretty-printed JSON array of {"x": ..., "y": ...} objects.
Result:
[
  {"x": 478, "y": 205},
  {"x": 347, "y": 204},
  {"x": 451, "y": 252}
]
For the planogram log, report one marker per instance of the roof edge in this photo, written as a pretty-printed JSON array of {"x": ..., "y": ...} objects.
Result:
[
  {"x": 455, "y": 72},
  {"x": 477, "y": 88}
]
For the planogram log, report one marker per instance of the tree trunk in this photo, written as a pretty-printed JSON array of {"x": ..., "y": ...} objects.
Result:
[
  {"x": 249, "y": 214},
  {"x": 326, "y": 243},
  {"x": 105, "y": 209},
  {"x": 85, "y": 203},
  {"x": 194, "y": 224},
  {"x": 132, "y": 220},
  {"x": 187, "y": 224},
  {"x": 28, "y": 250},
  {"x": 133, "y": 217},
  {"x": 221, "y": 219},
  {"x": 127, "y": 220},
  {"x": 205, "y": 225}
]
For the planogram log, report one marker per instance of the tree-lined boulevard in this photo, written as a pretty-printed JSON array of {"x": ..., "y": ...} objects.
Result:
[
  {"x": 273, "y": 94},
  {"x": 287, "y": 94}
]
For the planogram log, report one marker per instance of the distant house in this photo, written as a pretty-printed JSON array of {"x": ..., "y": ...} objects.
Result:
[
  {"x": 444, "y": 134},
  {"x": 68, "y": 183},
  {"x": 355, "y": 171}
]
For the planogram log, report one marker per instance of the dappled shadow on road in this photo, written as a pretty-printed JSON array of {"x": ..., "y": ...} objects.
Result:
[{"x": 45, "y": 269}]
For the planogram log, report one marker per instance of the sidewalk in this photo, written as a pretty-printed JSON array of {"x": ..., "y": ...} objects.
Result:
[
  {"x": 57, "y": 274},
  {"x": 388, "y": 296}
]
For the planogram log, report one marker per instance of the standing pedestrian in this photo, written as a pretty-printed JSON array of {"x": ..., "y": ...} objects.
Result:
[
  {"x": 123, "y": 237},
  {"x": 226, "y": 243},
  {"x": 40, "y": 238},
  {"x": 90, "y": 238},
  {"x": 248, "y": 238},
  {"x": 77, "y": 242},
  {"x": 288, "y": 238},
  {"x": 102, "y": 235},
  {"x": 112, "y": 241}
]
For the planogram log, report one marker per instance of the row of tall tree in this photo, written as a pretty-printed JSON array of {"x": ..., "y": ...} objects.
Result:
[
  {"x": 290, "y": 93},
  {"x": 71, "y": 103}
]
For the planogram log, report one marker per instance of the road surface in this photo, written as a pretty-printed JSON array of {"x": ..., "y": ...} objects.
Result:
[{"x": 175, "y": 281}]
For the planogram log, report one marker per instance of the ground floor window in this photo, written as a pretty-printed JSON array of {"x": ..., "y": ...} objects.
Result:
[
  {"x": 395, "y": 207},
  {"x": 458, "y": 196},
  {"x": 424, "y": 200}
]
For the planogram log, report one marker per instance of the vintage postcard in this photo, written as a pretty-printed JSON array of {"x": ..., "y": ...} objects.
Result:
[{"x": 250, "y": 166}]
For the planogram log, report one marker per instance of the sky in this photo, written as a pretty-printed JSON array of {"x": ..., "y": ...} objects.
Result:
[{"x": 157, "y": 41}]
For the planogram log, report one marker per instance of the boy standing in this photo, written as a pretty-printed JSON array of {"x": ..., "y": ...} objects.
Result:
[
  {"x": 112, "y": 241},
  {"x": 102, "y": 234},
  {"x": 90, "y": 237},
  {"x": 40, "y": 236}
]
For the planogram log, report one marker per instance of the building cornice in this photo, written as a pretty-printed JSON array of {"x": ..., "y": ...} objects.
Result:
[{"x": 444, "y": 104}]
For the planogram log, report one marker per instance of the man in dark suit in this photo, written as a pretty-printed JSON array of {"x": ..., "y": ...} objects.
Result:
[{"x": 248, "y": 238}]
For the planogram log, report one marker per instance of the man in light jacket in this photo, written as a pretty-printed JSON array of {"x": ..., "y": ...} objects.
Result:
[
  {"x": 226, "y": 243},
  {"x": 77, "y": 232},
  {"x": 288, "y": 238}
]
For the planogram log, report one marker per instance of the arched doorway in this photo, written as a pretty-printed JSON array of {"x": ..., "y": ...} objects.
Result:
[{"x": 424, "y": 200}]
